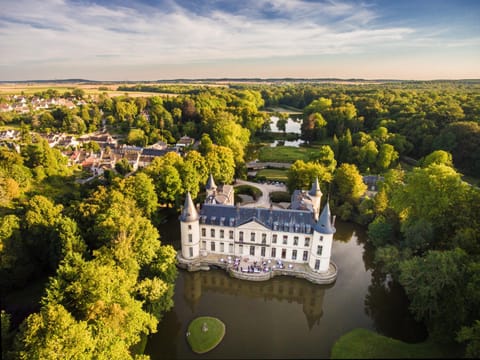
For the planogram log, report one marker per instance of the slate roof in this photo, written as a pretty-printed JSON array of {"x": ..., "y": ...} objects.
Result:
[
  {"x": 189, "y": 213},
  {"x": 154, "y": 152},
  {"x": 301, "y": 200},
  {"x": 315, "y": 190},
  {"x": 275, "y": 219},
  {"x": 211, "y": 183},
  {"x": 324, "y": 224}
]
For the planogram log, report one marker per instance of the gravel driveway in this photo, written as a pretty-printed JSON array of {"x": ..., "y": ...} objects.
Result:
[{"x": 264, "y": 200}]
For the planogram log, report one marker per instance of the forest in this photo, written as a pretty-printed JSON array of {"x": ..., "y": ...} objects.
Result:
[{"x": 93, "y": 248}]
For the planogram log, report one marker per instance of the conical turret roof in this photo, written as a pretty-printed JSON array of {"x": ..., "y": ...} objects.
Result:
[
  {"x": 315, "y": 190},
  {"x": 211, "y": 183},
  {"x": 324, "y": 223},
  {"x": 189, "y": 213}
]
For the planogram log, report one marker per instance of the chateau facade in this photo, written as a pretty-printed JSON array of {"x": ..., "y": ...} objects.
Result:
[{"x": 300, "y": 236}]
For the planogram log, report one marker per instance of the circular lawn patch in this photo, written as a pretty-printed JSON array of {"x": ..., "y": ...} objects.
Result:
[{"x": 205, "y": 333}]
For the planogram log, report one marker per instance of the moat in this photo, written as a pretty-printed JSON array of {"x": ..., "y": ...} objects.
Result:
[{"x": 285, "y": 317}]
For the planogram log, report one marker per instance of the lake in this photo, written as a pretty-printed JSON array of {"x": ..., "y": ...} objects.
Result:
[
  {"x": 292, "y": 126},
  {"x": 285, "y": 317}
]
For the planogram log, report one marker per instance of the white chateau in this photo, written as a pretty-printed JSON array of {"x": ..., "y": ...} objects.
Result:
[{"x": 295, "y": 241}]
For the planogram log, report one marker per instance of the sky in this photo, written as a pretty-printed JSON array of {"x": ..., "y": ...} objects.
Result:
[{"x": 147, "y": 40}]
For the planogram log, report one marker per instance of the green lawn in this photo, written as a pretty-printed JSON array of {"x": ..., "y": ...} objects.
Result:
[
  {"x": 280, "y": 196},
  {"x": 252, "y": 191},
  {"x": 288, "y": 154},
  {"x": 365, "y": 344},
  {"x": 203, "y": 341},
  {"x": 273, "y": 174}
]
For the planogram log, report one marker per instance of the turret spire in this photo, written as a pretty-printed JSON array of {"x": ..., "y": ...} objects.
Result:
[
  {"x": 189, "y": 213},
  {"x": 324, "y": 223},
  {"x": 211, "y": 183},
  {"x": 315, "y": 190}
]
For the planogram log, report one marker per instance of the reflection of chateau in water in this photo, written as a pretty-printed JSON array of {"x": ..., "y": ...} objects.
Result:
[{"x": 282, "y": 289}]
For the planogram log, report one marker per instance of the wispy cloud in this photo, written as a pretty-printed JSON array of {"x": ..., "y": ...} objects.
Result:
[
  {"x": 169, "y": 32},
  {"x": 183, "y": 31}
]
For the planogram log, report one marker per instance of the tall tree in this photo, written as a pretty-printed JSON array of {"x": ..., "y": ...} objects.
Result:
[
  {"x": 434, "y": 283},
  {"x": 221, "y": 164},
  {"x": 53, "y": 334},
  {"x": 301, "y": 175},
  {"x": 141, "y": 189},
  {"x": 349, "y": 183}
]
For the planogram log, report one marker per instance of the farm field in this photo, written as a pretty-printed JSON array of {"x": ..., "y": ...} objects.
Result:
[{"x": 90, "y": 89}]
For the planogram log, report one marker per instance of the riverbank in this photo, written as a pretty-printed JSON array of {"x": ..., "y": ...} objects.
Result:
[{"x": 365, "y": 344}]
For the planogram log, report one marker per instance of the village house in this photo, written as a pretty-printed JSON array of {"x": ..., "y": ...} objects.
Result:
[{"x": 184, "y": 141}]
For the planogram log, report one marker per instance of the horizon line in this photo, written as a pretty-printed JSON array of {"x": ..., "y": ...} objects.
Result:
[{"x": 241, "y": 79}]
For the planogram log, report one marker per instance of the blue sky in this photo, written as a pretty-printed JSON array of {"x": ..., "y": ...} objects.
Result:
[{"x": 168, "y": 39}]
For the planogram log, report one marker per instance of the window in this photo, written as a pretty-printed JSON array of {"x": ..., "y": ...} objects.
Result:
[
  {"x": 305, "y": 255},
  {"x": 295, "y": 240},
  {"x": 204, "y": 232},
  {"x": 274, "y": 239},
  {"x": 221, "y": 234},
  {"x": 212, "y": 233},
  {"x": 252, "y": 237},
  {"x": 285, "y": 238},
  {"x": 319, "y": 249},
  {"x": 230, "y": 234},
  {"x": 321, "y": 238},
  {"x": 274, "y": 252},
  {"x": 222, "y": 247},
  {"x": 230, "y": 248},
  {"x": 240, "y": 235},
  {"x": 189, "y": 227},
  {"x": 240, "y": 249},
  {"x": 317, "y": 264},
  {"x": 294, "y": 255},
  {"x": 307, "y": 242},
  {"x": 190, "y": 251},
  {"x": 263, "y": 251},
  {"x": 264, "y": 238},
  {"x": 204, "y": 245},
  {"x": 284, "y": 253},
  {"x": 190, "y": 238},
  {"x": 252, "y": 250},
  {"x": 212, "y": 246}
]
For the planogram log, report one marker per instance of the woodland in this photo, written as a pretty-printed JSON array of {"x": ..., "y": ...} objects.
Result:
[{"x": 93, "y": 251}]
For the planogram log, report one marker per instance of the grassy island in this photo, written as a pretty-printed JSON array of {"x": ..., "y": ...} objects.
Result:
[{"x": 205, "y": 333}]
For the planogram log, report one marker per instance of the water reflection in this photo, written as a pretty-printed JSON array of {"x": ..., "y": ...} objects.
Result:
[
  {"x": 386, "y": 301},
  {"x": 169, "y": 330},
  {"x": 292, "y": 125},
  {"x": 295, "y": 143},
  {"x": 298, "y": 291}
]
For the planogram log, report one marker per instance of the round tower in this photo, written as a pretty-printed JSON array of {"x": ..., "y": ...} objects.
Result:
[
  {"x": 190, "y": 230},
  {"x": 321, "y": 248}
]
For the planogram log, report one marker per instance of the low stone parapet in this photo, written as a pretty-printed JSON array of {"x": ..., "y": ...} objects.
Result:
[{"x": 205, "y": 263}]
